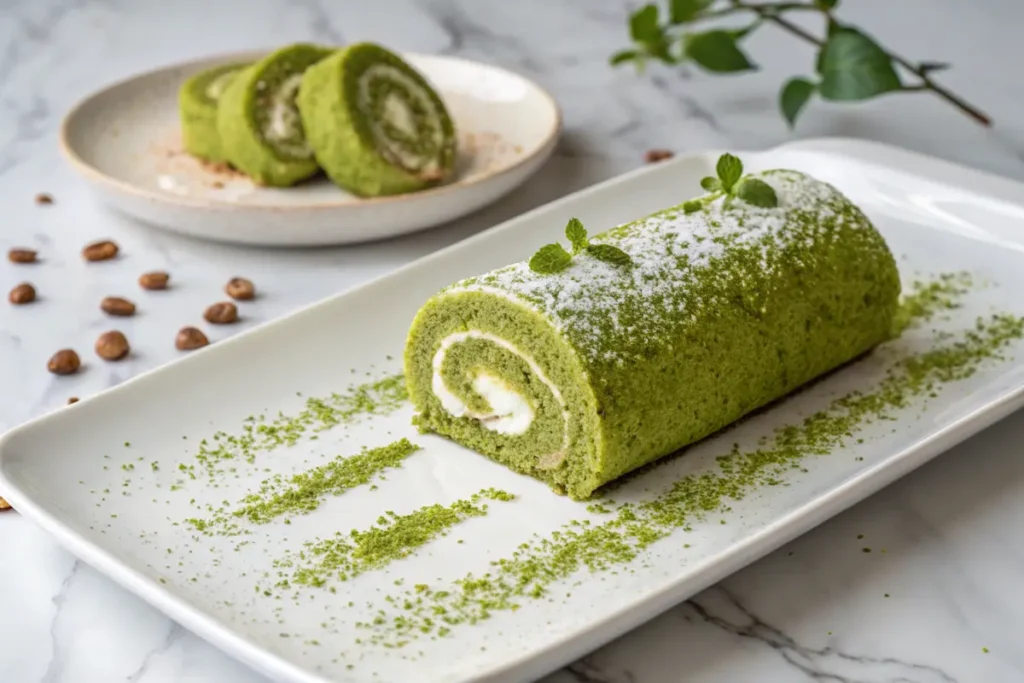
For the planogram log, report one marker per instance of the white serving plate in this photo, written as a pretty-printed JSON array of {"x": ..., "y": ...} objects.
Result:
[
  {"x": 938, "y": 217},
  {"x": 125, "y": 141}
]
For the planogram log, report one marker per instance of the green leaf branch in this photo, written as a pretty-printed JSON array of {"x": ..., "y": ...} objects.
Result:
[{"x": 850, "y": 65}]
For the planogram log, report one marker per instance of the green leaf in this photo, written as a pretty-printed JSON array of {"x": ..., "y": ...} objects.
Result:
[
  {"x": 716, "y": 51},
  {"x": 623, "y": 56},
  {"x": 577, "y": 235},
  {"x": 685, "y": 11},
  {"x": 711, "y": 184},
  {"x": 643, "y": 24},
  {"x": 826, "y": 4},
  {"x": 729, "y": 169},
  {"x": 854, "y": 67},
  {"x": 551, "y": 258},
  {"x": 692, "y": 206},
  {"x": 794, "y": 96},
  {"x": 758, "y": 193},
  {"x": 609, "y": 254}
]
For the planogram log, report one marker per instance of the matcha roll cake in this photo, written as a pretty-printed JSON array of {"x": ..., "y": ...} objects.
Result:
[
  {"x": 197, "y": 105},
  {"x": 375, "y": 124},
  {"x": 259, "y": 124},
  {"x": 581, "y": 365}
]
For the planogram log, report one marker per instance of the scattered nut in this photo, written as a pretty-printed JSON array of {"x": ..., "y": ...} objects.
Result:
[
  {"x": 22, "y": 294},
  {"x": 154, "y": 280},
  {"x": 115, "y": 305},
  {"x": 190, "y": 339},
  {"x": 240, "y": 289},
  {"x": 653, "y": 156},
  {"x": 112, "y": 346},
  {"x": 4, "y": 505},
  {"x": 222, "y": 313},
  {"x": 43, "y": 198},
  {"x": 22, "y": 255},
  {"x": 100, "y": 251},
  {"x": 64, "y": 362},
  {"x": 73, "y": 399}
]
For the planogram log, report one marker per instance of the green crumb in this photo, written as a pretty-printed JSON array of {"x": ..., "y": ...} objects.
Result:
[
  {"x": 537, "y": 565},
  {"x": 985, "y": 650},
  {"x": 865, "y": 550},
  {"x": 391, "y": 538},
  {"x": 261, "y": 434},
  {"x": 302, "y": 493},
  {"x": 928, "y": 299}
]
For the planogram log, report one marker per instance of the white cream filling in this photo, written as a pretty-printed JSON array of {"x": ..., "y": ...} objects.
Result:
[
  {"x": 397, "y": 112},
  {"x": 511, "y": 412},
  {"x": 284, "y": 118}
]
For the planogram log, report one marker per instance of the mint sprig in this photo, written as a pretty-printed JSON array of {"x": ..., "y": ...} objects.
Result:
[
  {"x": 731, "y": 183},
  {"x": 553, "y": 258},
  {"x": 850, "y": 65}
]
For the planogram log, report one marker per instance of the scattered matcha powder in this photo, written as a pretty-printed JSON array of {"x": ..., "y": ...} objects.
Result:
[
  {"x": 391, "y": 538},
  {"x": 539, "y": 563},
  {"x": 261, "y": 434},
  {"x": 302, "y": 493},
  {"x": 928, "y": 299}
]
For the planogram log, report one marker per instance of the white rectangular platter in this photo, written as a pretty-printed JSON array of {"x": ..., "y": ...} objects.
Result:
[{"x": 103, "y": 475}]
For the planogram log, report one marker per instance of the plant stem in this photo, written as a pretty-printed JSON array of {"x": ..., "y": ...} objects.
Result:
[{"x": 769, "y": 12}]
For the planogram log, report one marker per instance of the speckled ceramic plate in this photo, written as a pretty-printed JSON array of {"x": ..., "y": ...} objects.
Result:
[
  {"x": 103, "y": 475},
  {"x": 126, "y": 142}
]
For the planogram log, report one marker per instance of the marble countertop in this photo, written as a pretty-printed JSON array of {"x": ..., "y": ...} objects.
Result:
[{"x": 938, "y": 606}]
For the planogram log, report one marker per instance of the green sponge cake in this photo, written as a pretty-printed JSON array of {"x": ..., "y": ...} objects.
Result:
[
  {"x": 606, "y": 361},
  {"x": 376, "y": 125},
  {"x": 197, "y": 103},
  {"x": 260, "y": 128}
]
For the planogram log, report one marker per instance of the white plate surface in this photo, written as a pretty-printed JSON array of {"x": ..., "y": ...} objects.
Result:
[
  {"x": 126, "y": 142},
  {"x": 937, "y": 217}
]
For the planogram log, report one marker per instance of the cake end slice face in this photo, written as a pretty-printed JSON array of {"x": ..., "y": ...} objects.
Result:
[
  {"x": 258, "y": 119},
  {"x": 198, "y": 98},
  {"x": 376, "y": 125}
]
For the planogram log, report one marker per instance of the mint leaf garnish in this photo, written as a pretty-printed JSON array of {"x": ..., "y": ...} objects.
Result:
[
  {"x": 711, "y": 184},
  {"x": 729, "y": 169},
  {"x": 757, "y": 192},
  {"x": 609, "y": 254},
  {"x": 577, "y": 235},
  {"x": 551, "y": 258}
]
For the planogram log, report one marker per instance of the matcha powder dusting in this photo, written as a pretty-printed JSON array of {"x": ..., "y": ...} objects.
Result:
[
  {"x": 262, "y": 434},
  {"x": 391, "y": 538},
  {"x": 625, "y": 531},
  {"x": 302, "y": 493}
]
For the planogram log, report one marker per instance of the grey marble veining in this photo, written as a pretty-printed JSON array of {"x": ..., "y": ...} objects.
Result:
[{"x": 925, "y": 610}]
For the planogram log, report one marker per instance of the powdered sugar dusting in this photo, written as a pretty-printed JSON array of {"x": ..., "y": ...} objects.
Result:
[{"x": 681, "y": 264}]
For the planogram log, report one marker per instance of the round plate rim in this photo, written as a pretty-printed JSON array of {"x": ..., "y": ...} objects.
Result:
[{"x": 92, "y": 173}]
